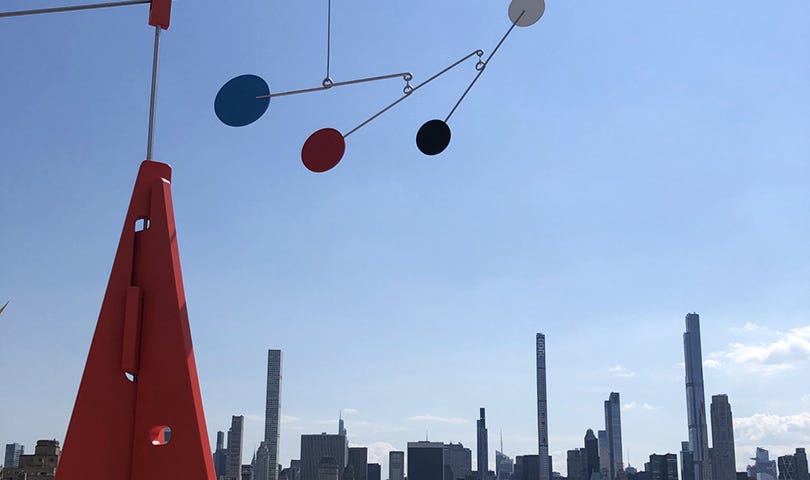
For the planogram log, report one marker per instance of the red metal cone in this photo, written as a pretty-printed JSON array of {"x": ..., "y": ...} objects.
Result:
[{"x": 118, "y": 427}]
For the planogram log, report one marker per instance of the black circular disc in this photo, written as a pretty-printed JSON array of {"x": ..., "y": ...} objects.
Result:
[{"x": 433, "y": 137}]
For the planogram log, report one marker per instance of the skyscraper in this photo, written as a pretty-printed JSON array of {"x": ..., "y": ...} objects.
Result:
[
  {"x": 576, "y": 468},
  {"x": 341, "y": 425},
  {"x": 763, "y": 468},
  {"x": 13, "y": 452},
  {"x": 271, "y": 415},
  {"x": 374, "y": 471},
  {"x": 483, "y": 445},
  {"x": 261, "y": 462},
  {"x": 315, "y": 447},
  {"x": 724, "y": 464},
  {"x": 687, "y": 462},
  {"x": 527, "y": 467},
  {"x": 663, "y": 467},
  {"x": 425, "y": 461},
  {"x": 233, "y": 461},
  {"x": 358, "y": 460},
  {"x": 613, "y": 427},
  {"x": 504, "y": 466},
  {"x": 787, "y": 467},
  {"x": 801, "y": 464},
  {"x": 396, "y": 465},
  {"x": 544, "y": 465},
  {"x": 604, "y": 453},
  {"x": 220, "y": 455},
  {"x": 695, "y": 399},
  {"x": 591, "y": 454},
  {"x": 793, "y": 467},
  {"x": 457, "y": 461}
]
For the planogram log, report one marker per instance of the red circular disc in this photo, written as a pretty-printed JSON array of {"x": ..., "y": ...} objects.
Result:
[{"x": 323, "y": 150}]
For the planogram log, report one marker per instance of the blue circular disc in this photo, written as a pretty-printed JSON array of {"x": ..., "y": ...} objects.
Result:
[{"x": 236, "y": 103}]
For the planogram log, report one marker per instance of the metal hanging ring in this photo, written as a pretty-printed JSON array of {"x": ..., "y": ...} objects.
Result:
[
  {"x": 327, "y": 82},
  {"x": 480, "y": 65},
  {"x": 408, "y": 89}
]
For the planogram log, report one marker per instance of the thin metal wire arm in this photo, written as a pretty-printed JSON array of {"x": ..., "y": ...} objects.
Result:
[
  {"x": 72, "y": 8},
  {"x": 434, "y": 77},
  {"x": 484, "y": 66},
  {"x": 405, "y": 75}
]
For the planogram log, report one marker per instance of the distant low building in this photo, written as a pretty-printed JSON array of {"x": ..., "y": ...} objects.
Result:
[
  {"x": 763, "y": 468},
  {"x": 40, "y": 466}
]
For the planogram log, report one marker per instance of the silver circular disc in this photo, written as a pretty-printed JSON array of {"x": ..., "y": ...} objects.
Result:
[{"x": 532, "y": 10}]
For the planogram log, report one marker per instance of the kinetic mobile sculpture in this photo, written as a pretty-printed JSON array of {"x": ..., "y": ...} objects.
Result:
[
  {"x": 138, "y": 413},
  {"x": 244, "y": 99}
]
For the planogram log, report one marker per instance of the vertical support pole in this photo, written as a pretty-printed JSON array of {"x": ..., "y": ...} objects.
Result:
[{"x": 153, "y": 96}]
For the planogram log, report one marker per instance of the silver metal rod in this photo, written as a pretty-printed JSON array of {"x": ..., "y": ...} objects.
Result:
[
  {"x": 404, "y": 75},
  {"x": 484, "y": 66},
  {"x": 72, "y": 8},
  {"x": 153, "y": 95},
  {"x": 477, "y": 52},
  {"x": 328, "y": 37}
]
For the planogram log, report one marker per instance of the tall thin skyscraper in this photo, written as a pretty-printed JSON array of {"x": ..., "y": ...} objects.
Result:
[
  {"x": 695, "y": 398},
  {"x": 613, "y": 427},
  {"x": 233, "y": 462},
  {"x": 220, "y": 455},
  {"x": 483, "y": 445},
  {"x": 542, "y": 410},
  {"x": 604, "y": 453},
  {"x": 341, "y": 425},
  {"x": 724, "y": 464},
  {"x": 271, "y": 415},
  {"x": 591, "y": 454}
]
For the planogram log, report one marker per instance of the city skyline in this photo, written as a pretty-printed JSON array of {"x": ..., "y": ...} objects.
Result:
[{"x": 614, "y": 170}]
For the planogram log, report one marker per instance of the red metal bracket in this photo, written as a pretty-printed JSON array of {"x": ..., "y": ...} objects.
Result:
[
  {"x": 159, "y": 13},
  {"x": 138, "y": 414}
]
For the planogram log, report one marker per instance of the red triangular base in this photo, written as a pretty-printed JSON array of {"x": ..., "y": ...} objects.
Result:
[{"x": 117, "y": 431}]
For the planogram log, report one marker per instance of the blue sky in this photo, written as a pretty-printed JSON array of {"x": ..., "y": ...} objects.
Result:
[{"x": 617, "y": 166}]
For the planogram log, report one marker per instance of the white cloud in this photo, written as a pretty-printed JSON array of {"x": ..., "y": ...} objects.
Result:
[
  {"x": 434, "y": 418},
  {"x": 778, "y": 433},
  {"x": 788, "y": 352},
  {"x": 712, "y": 363},
  {"x": 750, "y": 327},
  {"x": 643, "y": 406},
  {"x": 253, "y": 418},
  {"x": 806, "y": 399},
  {"x": 288, "y": 418},
  {"x": 378, "y": 452},
  {"x": 620, "y": 371}
]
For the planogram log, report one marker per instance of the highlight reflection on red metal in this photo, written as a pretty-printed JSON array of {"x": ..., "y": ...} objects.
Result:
[{"x": 152, "y": 427}]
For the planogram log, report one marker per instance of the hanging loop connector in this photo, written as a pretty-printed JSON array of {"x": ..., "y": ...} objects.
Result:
[{"x": 327, "y": 82}]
